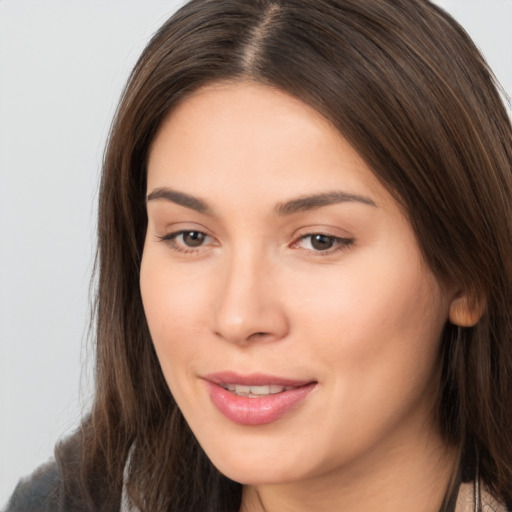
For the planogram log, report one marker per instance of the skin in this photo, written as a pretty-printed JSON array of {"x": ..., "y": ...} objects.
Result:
[{"x": 363, "y": 318}]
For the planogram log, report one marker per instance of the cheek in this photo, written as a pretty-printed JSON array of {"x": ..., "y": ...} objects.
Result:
[
  {"x": 376, "y": 340},
  {"x": 174, "y": 305},
  {"x": 369, "y": 300},
  {"x": 378, "y": 325}
]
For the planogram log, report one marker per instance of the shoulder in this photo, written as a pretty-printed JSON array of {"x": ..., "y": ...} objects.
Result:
[
  {"x": 54, "y": 486},
  {"x": 64, "y": 485},
  {"x": 40, "y": 492}
]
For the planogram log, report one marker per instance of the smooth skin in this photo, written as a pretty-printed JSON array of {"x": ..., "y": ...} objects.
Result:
[{"x": 240, "y": 273}]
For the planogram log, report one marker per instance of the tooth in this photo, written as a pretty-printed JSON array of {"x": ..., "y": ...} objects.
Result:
[
  {"x": 260, "y": 390},
  {"x": 256, "y": 391},
  {"x": 242, "y": 389}
]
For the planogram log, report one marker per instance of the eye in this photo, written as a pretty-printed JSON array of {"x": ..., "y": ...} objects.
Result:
[
  {"x": 191, "y": 238},
  {"x": 186, "y": 241},
  {"x": 319, "y": 242}
]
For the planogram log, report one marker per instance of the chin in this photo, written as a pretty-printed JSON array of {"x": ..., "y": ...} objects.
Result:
[
  {"x": 249, "y": 474},
  {"x": 258, "y": 465}
]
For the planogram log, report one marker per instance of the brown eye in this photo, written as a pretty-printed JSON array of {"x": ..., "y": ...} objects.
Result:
[
  {"x": 322, "y": 242},
  {"x": 188, "y": 241},
  {"x": 193, "y": 238}
]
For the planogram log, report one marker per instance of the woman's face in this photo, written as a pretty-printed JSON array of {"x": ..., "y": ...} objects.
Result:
[{"x": 294, "y": 319}]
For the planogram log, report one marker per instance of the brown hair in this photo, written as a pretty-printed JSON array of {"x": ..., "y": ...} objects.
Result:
[{"x": 406, "y": 86}]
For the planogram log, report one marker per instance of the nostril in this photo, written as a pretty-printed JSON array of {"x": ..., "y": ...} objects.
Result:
[{"x": 256, "y": 335}]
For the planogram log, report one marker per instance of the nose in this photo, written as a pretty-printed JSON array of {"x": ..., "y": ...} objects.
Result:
[{"x": 248, "y": 304}]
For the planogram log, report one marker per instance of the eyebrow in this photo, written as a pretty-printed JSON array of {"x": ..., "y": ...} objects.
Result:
[
  {"x": 301, "y": 204},
  {"x": 315, "y": 201},
  {"x": 180, "y": 198}
]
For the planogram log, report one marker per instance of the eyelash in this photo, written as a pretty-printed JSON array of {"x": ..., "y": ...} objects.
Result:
[
  {"x": 182, "y": 248},
  {"x": 339, "y": 243}
]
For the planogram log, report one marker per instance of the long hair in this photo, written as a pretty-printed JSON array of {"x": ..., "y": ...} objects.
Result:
[{"x": 405, "y": 85}]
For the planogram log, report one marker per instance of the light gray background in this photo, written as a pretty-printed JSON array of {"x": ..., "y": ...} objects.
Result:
[{"x": 62, "y": 67}]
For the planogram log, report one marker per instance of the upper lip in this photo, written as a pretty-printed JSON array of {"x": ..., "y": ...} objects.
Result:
[{"x": 254, "y": 379}]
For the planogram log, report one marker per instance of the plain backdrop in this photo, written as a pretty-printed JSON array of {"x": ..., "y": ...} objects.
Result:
[{"x": 62, "y": 67}]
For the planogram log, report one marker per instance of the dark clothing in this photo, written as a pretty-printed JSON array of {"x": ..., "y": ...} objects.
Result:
[
  {"x": 41, "y": 492},
  {"x": 46, "y": 490}
]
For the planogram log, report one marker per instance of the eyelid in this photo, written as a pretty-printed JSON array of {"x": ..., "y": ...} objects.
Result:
[
  {"x": 170, "y": 239},
  {"x": 341, "y": 243}
]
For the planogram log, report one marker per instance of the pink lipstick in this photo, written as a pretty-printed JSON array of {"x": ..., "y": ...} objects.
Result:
[{"x": 255, "y": 399}]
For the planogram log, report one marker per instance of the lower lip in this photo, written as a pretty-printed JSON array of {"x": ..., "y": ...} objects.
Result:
[{"x": 257, "y": 411}]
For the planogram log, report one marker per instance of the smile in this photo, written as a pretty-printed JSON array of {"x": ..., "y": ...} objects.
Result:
[
  {"x": 255, "y": 391},
  {"x": 256, "y": 399}
]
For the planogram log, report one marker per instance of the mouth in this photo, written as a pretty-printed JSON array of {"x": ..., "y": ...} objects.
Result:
[
  {"x": 256, "y": 399},
  {"x": 255, "y": 391}
]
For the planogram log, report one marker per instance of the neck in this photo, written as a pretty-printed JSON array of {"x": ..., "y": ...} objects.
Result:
[{"x": 410, "y": 477}]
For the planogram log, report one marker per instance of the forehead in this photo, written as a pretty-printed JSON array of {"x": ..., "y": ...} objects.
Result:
[{"x": 253, "y": 140}]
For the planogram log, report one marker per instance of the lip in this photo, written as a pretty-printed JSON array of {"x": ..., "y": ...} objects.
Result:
[
  {"x": 253, "y": 379},
  {"x": 256, "y": 411}
]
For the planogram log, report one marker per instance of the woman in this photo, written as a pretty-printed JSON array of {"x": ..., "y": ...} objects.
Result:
[{"x": 304, "y": 273}]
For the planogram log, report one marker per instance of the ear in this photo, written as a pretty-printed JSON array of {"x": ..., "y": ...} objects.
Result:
[{"x": 466, "y": 310}]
